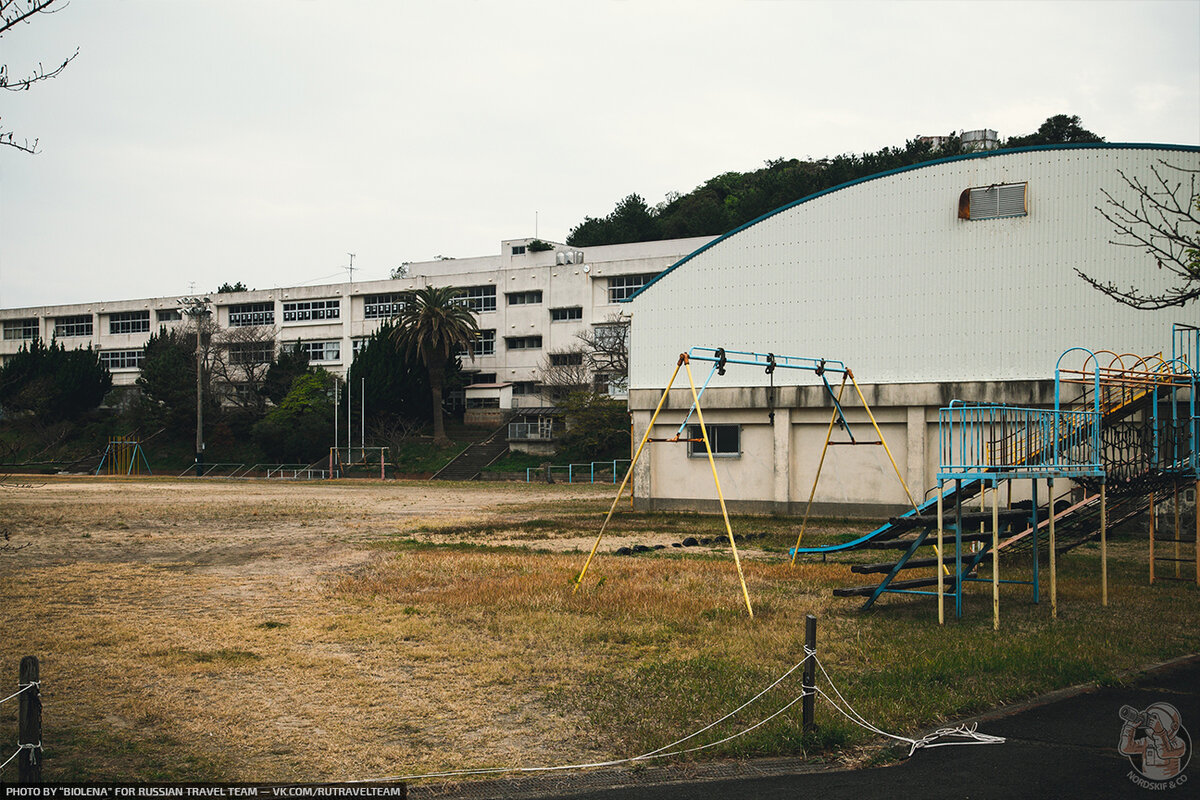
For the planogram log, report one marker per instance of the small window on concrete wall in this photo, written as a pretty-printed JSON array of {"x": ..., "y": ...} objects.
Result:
[
  {"x": 993, "y": 202},
  {"x": 725, "y": 440}
]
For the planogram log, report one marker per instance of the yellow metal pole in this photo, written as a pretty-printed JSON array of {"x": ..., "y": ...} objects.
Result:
[
  {"x": 649, "y": 428},
  {"x": 720, "y": 495},
  {"x": 882, "y": 441},
  {"x": 820, "y": 464},
  {"x": 996, "y": 558},
  {"x": 1053, "y": 571},
  {"x": 1178, "y": 533},
  {"x": 1103, "y": 544},
  {"x": 940, "y": 580},
  {"x": 1152, "y": 538}
]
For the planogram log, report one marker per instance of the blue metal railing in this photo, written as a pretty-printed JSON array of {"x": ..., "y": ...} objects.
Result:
[
  {"x": 1001, "y": 442},
  {"x": 581, "y": 472}
]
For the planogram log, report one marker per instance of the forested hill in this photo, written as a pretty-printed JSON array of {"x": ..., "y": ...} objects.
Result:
[{"x": 727, "y": 201}]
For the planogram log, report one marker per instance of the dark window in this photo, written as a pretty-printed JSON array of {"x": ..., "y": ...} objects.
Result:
[
  {"x": 248, "y": 314},
  {"x": 79, "y": 325},
  {"x": 306, "y": 310},
  {"x": 565, "y": 314},
  {"x": 523, "y": 342},
  {"x": 129, "y": 322},
  {"x": 624, "y": 286},
  {"x": 725, "y": 440},
  {"x": 477, "y": 298},
  {"x": 524, "y": 298},
  {"x": 383, "y": 306},
  {"x": 122, "y": 359},
  {"x": 566, "y": 359}
]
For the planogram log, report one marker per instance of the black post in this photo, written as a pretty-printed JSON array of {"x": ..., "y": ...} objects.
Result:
[
  {"x": 809, "y": 685},
  {"x": 29, "y": 723}
]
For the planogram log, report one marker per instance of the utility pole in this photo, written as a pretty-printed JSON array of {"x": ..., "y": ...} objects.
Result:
[{"x": 197, "y": 308}]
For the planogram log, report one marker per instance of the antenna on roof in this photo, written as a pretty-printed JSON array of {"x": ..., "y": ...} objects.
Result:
[{"x": 351, "y": 267}]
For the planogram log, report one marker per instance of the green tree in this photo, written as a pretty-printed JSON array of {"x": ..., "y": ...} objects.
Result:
[
  {"x": 432, "y": 328},
  {"x": 597, "y": 428},
  {"x": 168, "y": 382},
  {"x": 227, "y": 287},
  {"x": 291, "y": 363},
  {"x": 300, "y": 428},
  {"x": 53, "y": 383},
  {"x": 1059, "y": 129},
  {"x": 396, "y": 385}
]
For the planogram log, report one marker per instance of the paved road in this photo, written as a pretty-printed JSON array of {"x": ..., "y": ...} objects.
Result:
[{"x": 1063, "y": 745}]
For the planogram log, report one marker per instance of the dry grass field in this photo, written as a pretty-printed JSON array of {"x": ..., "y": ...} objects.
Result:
[{"x": 279, "y": 631}]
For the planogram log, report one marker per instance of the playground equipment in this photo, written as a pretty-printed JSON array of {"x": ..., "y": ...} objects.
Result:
[
  {"x": 342, "y": 459},
  {"x": 124, "y": 456},
  {"x": 1129, "y": 430},
  {"x": 721, "y": 359}
]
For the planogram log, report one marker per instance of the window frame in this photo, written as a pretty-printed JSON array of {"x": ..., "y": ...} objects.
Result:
[
  {"x": 306, "y": 311},
  {"x": 715, "y": 439},
  {"x": 74, "y": 326},
  {"x": 249, "y": 315},
  {"x": 528, "y": 297},
  {"x": 531, "y": 342},
  {"x": 622, "y": 287},
  {"x": 566, "y": 314},
  {"x": 135, "y": 355},
  {"x": 479, "y": 299},
  {"x": 126, "y": 322}
]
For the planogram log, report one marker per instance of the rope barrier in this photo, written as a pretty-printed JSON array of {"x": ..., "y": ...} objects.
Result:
[
  {"x": 968, "y": 732},
  {"x": 24, "y": 687},
  {"x": 20, "y": 747}
]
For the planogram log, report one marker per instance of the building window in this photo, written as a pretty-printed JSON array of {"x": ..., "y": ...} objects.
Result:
[
  {"x": 309, "y": 310},
  {"x": 20, "y": 329},
  {"x": 359, "y": 344},
  {"x": 251, "y": 352},
  {"x": 79, "y": 325},
  {"x": 523, "y": 342},
  {"x": 993, "y": 202},
  {"x": 622, "y": 287},
  {"x": 614, "y": 385},
  {"x": 524, "y": 388},
  {"x": 477, "y": 298},
  {"x": 566, "y": 314},
  {"x": 725, "y": 440},
  {"x": 612, "y": 337},
  {"x": 129, "y": 322},
  {"x": 122, "y": 359},
  {"x": 248, "y": 314},
  {"x": 321, "y": 351},
  {"x": 481, "y": 377},
  {"x": 169, "y": 315},
  {"x": 518, "y": 249},
  {"x": 485, "y": 345},
  {"x": 566, "y": 359},
  {"x": 384, "y": 306},
  {"x": 524, "y": 298}
]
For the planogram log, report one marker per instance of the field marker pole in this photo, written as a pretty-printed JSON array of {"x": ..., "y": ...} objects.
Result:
[
  {"x": 809, "y": 686},
  {"x": 29, "y": 723}
]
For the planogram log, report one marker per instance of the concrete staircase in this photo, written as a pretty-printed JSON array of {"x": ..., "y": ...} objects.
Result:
[{"x": 468, "y": 464}]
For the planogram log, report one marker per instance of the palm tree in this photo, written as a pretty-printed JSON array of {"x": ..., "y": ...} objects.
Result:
[{"x": 433, "y": 326}]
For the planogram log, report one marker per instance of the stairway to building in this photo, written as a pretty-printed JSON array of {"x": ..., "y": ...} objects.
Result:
[{"x": 470, "y": 462}]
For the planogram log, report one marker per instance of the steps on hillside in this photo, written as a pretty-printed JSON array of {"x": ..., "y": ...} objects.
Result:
[{"x": 470, "y": 462}]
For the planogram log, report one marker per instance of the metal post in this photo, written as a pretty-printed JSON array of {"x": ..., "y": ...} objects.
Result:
[
  {"x": 941, "y": 584},
  {"x": 1053, "y": 570},
  {"x": 809, "y": 685},
  {"x": 958, "y": 524},
  {"x": 996, "y": 558},
  {"x": 29, "y": 723},
  {"x": 1037, "y": 585},
  {"x": 1103, "y": 544},
  {"x": 1152, "y": 538}
]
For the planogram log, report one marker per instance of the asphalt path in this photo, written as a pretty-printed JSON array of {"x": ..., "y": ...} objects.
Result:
[{"x": 1063, "y": 745}]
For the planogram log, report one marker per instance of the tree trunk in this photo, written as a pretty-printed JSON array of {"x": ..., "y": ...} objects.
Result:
[{"x": 436, "y": 375}]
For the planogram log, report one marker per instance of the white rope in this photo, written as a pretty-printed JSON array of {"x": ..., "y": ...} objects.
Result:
[
  {"x": 968, "y": 732},
  {"x": 24, "y": 687},
  {"x": 20, "y": 747}
]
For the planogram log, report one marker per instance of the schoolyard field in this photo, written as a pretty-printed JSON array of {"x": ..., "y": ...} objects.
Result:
[{"x": 345, "y": 630}]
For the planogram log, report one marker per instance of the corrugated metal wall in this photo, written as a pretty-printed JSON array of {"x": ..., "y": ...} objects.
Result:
[{"x": 884, "y": 276}]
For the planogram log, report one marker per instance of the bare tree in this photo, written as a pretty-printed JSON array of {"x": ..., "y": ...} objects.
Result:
[
  {"x": 564, "y": 373},
  {"x": 1162, "y": 220},
  {"x": 606, "y": 348},
  {"x": 240, "y": 360},
  {"x": 13, "y": 13}
]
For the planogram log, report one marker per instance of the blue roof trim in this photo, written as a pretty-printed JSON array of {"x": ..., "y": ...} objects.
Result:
[{"x": 965, "y": 156}]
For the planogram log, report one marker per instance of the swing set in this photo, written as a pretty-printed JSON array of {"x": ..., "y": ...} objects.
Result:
[{"x": 721, "y": 359}]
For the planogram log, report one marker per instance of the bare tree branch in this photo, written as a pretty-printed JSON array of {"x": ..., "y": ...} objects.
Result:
[
  {"x": 1163, "y": 221},
  {"x": 12, "y": 13}
]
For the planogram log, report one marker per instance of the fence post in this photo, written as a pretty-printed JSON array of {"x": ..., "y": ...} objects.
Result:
[
  {"x": 29, "y": 723},
  {"x": 809, "y": 685}
]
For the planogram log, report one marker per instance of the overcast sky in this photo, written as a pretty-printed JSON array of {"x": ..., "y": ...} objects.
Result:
[{"x": 203, "y": 141}]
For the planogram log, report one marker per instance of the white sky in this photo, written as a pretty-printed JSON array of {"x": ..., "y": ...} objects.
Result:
[{"x": 261, "y": 140}]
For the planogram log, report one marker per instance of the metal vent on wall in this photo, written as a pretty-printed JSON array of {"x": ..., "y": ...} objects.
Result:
[{"x": 993, "y": 202}]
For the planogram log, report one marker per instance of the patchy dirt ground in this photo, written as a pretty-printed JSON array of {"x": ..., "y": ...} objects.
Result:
[{"x": 198, "y": 618}]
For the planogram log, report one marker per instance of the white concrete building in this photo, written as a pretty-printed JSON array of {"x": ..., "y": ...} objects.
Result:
[
  {"x": 951, "y": 279},
  {"x": 530, "y": 306}
]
